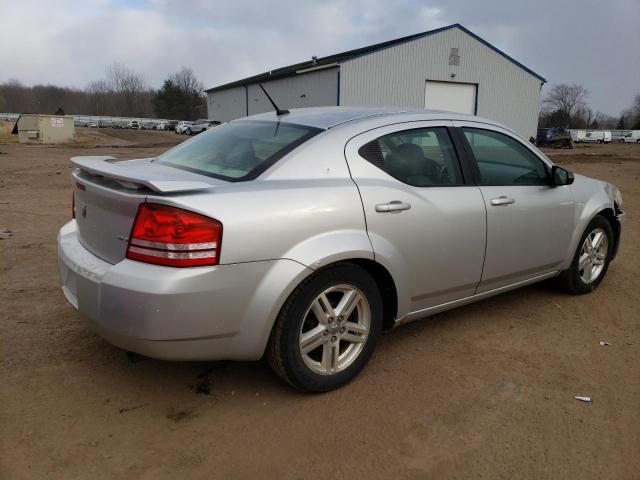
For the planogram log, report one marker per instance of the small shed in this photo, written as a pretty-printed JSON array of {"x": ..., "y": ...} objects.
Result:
[{"x": 34, "y": 128}]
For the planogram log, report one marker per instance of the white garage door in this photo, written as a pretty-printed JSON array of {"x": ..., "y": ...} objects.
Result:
[{"x": 450, "y": 96}]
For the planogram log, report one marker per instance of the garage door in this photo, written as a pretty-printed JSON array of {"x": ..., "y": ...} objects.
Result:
[{"x": 450, "y": 96}]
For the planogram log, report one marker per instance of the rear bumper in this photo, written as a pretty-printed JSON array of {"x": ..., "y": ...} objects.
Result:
[{"x": 206, "y": 313}]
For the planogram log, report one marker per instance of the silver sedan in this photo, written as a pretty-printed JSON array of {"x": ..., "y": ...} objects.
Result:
[{"x": 301, "y": 237}]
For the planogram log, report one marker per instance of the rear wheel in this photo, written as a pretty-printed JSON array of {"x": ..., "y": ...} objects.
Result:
[
  {"x": 591, "y": 260},
  {"x": 327, "y": 329}
]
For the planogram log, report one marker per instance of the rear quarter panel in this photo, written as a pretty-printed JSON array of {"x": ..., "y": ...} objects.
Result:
[{"x": 305, "y": 208}]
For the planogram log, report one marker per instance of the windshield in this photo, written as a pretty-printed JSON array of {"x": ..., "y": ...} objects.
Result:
[{"x": 238, "y": 151}]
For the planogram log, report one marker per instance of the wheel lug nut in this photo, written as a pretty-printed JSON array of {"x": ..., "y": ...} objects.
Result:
[
  {"x": 334, "y": 338},
  {"x": 326, "y": 332},
  {"x": 330, "y": 319},
  {"x": 342, "y": 330}
]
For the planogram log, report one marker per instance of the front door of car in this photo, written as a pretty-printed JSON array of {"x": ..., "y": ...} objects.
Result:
[
  {"x": 425, "y": 224},
  {"x": 529, "y": 222}
]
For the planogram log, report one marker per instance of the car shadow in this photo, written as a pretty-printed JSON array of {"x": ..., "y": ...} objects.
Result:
[{"x": 219, "y": 379}]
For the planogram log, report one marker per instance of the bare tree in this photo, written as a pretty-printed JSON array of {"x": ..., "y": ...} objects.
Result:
[
  {"x": 605, "y": 121},
  {"x": 186, "y": 81},
  {"x": 565, "y": 99},
  {"x": 132, "y": 93},
  {"x": 635, "y": 108},
  {"x": 100, "y": 97},
  {"x": 17, "y": 97},
  {"x": 582, "y": 117}
]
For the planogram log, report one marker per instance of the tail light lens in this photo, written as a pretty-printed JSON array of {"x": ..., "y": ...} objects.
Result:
[{"x": 174, "y": 237}]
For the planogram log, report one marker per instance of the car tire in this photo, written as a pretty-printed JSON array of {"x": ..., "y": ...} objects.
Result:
[
  {"x": 598, "y": 142},
  {"x": 586, "y": 273},
  {"x": 342, "y": 344}
]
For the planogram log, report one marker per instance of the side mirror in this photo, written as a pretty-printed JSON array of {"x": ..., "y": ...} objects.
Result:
[{"x": 560, "y": 176}]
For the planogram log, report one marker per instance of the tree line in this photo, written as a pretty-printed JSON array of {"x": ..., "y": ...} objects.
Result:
[
  {"x": 566, "y": 106},
  {"x": 125, "y": 93},
  {"x": 122, "y": 93}
]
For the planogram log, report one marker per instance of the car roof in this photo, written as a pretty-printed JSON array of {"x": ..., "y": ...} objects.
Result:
[{"x": 329, "y": 117}]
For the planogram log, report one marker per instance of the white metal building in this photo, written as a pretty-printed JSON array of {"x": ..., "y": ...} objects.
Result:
[{"x": 449, "y": 68}]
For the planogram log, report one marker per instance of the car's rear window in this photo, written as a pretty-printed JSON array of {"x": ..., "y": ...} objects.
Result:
[{"x": 238, "y": 151}]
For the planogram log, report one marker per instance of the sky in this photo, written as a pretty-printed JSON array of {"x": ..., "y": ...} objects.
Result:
[{"x": 71, "y": 42}]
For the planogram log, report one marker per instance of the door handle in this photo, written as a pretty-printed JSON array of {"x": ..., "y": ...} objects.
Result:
[
  {"x": 393, "y": 206},
  {"x": 501, "y": 201}
]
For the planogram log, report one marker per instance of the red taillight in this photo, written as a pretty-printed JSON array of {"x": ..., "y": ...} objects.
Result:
[{"x": 174, "y": 237}]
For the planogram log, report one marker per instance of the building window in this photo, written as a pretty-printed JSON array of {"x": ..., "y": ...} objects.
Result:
[{"x": 454, "y": 57}]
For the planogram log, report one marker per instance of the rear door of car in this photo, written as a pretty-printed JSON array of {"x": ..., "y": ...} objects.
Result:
[
  {"x": 426, "y": 224},
  {"x": 529, "y": 222}
]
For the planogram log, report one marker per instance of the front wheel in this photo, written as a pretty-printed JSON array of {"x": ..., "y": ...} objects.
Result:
[
  {"x": 591, "y": 260},
  {"x": 327, "y": 329}
]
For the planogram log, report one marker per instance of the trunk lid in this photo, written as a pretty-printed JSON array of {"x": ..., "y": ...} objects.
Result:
[{"x": 107, "y": 194}]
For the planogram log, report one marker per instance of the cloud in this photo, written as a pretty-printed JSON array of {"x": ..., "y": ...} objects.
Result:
[{"x": 73, "y": 42}]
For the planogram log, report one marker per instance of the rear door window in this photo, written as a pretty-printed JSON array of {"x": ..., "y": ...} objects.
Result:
[
  {"x": 238, "y": 151},
  {"x": 422, "y": 157}
]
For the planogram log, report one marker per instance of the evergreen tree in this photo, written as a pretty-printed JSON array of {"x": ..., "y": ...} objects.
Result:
[{"x": 180, "y": 97}]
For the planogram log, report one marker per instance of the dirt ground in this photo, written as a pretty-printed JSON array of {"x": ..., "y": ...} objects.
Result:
[{"x": 484, "y": 391}]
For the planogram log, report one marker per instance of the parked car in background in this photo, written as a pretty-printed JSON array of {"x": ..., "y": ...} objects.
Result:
[
  {"x": 147, "y": 126},
  {"x": 631, "y": 137},
  {"x": 161, "y": 126},
  {"x": 597, "y": 136},
  {"x": 135, "y": 124},
  {"x": 200, "y": 126},
  {"x": 171, "y": 125},
  {"x": 183, "y": 127},
  {"x": 118, "y": 124},
  {"x": 338, "y": 223},
  {"x": 79, "y": 123},
  {"x": 105, "y": 123},
  {"x": 92, "y": 124},
  {"x": 554, "y": 137}
]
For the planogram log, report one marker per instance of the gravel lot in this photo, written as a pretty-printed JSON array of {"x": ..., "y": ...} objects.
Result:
[{"x": 485, "y": 391}]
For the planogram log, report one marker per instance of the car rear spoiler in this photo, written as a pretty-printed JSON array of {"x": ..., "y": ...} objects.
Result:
[{"x": 136, "y": 174}]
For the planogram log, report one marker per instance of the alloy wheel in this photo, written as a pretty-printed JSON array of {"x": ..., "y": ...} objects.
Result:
[
  {"x": 593, "y": 255},
  {"x": 335, "y": 329}
]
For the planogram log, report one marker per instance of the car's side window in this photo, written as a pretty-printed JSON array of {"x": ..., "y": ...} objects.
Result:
[
  {"x": 503, "y": 160},
  {"x": 422, "y": 157}
]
